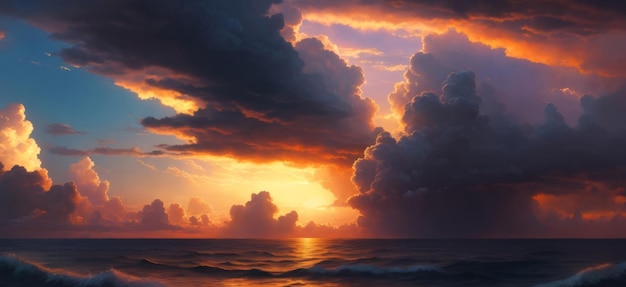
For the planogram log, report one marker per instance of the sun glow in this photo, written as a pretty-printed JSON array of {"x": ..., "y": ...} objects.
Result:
[{"x": 232, "y": 181}]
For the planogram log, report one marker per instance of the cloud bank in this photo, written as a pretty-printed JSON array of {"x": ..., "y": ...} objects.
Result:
[
  {"x": 542, "y": 31},
  {"x": 492, "y": 145},
  {"x": 459, "y": 173},
  {"x": 241, "y": 89},
  {"x": 32, "y": 206}
]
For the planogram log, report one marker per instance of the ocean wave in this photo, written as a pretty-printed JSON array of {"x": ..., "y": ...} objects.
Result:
[
  {"x": 317, "y": 271},
  {"x": 15, "y": 271},
  {"x": 217, "y": 271},
  {"x": 367, "y": 270},
  {"x": 260, "y": 253},
  {"x": 599, "y": 275},
  {"x": 214, "y": 254}
]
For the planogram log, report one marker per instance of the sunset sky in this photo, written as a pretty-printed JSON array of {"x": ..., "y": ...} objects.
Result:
[{"x": 312, "y": 118}]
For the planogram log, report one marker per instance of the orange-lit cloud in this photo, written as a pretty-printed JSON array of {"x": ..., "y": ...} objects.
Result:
[
  {"x": 582, "y": 35},
  {"x": 243, "y": 91},
  {"x": 594, "y": 201},
  {"x": 179, "y": 102},
  {"x": 16, "y": 145},
  {"x": 198, "y": 206},
  {"x": 305, "y": 189},
  {"x": 88, "y": 181},
  {"x": 84, "y": 208},
  {"x": 478, "y": 119},
  {"x": 337, "y": 180}
]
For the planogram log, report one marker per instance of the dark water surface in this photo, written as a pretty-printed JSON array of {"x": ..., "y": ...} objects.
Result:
[{"x": 311, "y": 262}]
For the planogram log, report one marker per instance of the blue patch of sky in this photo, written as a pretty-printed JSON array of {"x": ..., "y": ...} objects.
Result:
[{"x": 55, "y": 92}]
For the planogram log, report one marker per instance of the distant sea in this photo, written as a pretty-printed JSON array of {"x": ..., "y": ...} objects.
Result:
[{"x": 311, "y": 262}]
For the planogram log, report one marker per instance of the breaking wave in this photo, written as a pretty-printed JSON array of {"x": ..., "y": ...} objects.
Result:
[
  {"x": 15, "y": 271},
  {"x": 607, "y": 275}
]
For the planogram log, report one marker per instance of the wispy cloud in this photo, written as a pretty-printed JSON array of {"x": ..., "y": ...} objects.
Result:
[
  {"x": 146, "y": 165},
  {"x": 134, "y": 151},
  {"x": 62, "y": 129}
]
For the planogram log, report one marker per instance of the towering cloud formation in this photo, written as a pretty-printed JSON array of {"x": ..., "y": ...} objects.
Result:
[
  {"x": 543, "y": 31},
  {"x": 16, "y": 145},
  {"x": 176, "y": 213},
  {"x": 27, "y": 195},
  {"x": 507, "y": 85},
  {"x": 153, "y": 216},
  {"x": 198, "y": 206},
  {"x": 459, "y": 173},
  {"x": 245, "y": 91},
  {"x": 88, "y": 181},
  {"x": 256, "y": 219},
  {"x": 96, "y": 205}
]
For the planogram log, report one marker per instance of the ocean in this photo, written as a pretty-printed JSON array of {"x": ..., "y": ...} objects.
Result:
[{"x": 311, "y": 262}]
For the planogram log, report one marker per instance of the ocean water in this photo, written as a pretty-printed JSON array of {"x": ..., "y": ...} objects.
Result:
[{"x": 311, "y": 262}]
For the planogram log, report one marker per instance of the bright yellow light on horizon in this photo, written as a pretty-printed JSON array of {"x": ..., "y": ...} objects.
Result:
[{"x": 224, "y": 182}]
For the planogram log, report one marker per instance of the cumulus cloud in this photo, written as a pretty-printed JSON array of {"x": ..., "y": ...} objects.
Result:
[
  {"x": 202, "y": 220},
  {"x": 31, "y": 206},
  {"x": 198, "y": 206},
  {"x": 27, "y": 195},
  {"x": 510, "y": 86},
  {"x": 88, "y": 181},
  {"x": 246, "y": 91},
  {"x": 96, "y": 206},
  {"x": 257, "y": 218},
  {"x": 457, "y": 173},
  {"x": 61, "y": 129},
  {"x": 16, "y": 145},
  {"x": 153, "y": 216},
  {"x": 176, "y": 213}
]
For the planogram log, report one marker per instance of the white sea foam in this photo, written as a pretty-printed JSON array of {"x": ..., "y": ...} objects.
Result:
[
  {"x": 590, "y": 276},
  {"x": 17, "y": 271}
]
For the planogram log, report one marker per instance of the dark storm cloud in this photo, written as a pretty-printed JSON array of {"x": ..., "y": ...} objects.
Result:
[
  {"x": 62, "y": 129},
  {"x": 261, "y": 97},
  {"x": 153, "y": 216},
  {"x": 26, "y": 197},
  {"x": 515, "y": 86},
  {"x": 607, "y": 111},
  {"x": 459, "y": 173}
]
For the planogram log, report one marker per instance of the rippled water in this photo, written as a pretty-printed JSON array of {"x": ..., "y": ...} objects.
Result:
[{"x": 312, "y": 262}]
